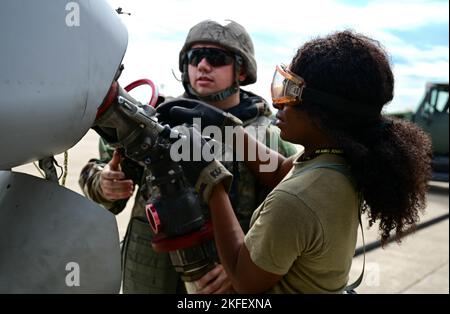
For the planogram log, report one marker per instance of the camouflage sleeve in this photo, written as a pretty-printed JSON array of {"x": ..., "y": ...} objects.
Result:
[
  {"x": 89, "y": 179},
  {"x": 105, "y": 151}
]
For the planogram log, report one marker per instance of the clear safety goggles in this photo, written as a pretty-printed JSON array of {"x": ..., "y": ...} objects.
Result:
[{"x": 287, "y": 87}]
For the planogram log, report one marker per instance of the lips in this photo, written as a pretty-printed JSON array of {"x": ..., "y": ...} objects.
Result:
[
  {"x": 204, "y": 79},
  {"x": 204, "y": 82},
  {"x": 278, "y": 116},
  {"x": 279, "y": 120}
]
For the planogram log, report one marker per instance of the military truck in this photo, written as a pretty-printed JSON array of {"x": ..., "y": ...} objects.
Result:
[{"x": 432, "y": 116}]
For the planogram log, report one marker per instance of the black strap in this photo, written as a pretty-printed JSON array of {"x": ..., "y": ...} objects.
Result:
[
  {"x": 339, "y": 104},
  {"x": 350, "y": 288},
  {"x": 321, "y": 151}
]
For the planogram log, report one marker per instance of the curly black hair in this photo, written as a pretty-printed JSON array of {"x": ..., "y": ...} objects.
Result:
[{"x": 390, "y": 159}]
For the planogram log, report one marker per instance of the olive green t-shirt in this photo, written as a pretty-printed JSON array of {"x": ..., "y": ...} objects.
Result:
[{"x": 306, "y": 229}]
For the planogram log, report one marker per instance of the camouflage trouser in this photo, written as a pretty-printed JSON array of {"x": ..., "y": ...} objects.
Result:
[{"x": 143, "y": 269}]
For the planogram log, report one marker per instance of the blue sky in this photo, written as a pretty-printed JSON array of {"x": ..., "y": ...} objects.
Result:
[{"x": 415, "y": 33}]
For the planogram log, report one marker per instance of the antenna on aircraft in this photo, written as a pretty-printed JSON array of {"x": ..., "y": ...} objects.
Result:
[{"x": 119, "y": 11}]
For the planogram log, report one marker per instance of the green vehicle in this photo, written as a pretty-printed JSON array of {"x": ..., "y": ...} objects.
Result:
[{"x": 432, "y": 116}]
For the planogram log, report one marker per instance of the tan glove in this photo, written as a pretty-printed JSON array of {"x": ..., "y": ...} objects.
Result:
[{"x": 210, "y": 176}]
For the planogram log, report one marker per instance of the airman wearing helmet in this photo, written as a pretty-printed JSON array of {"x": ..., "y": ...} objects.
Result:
[
  {"x": 215, "y": 60},
  {"x": 226, "y": 44}
]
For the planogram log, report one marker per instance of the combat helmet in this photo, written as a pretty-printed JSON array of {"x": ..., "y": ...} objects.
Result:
[{"x": 233, "y": 37}]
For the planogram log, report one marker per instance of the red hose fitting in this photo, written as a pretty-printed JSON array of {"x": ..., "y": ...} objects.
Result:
[
  {"x": 108, "y": 100},
  {"x": 153, "y": 218},
  {"x": 140, "y": 82}
]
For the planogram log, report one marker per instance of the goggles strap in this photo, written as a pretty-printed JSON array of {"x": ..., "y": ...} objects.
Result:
[
  {"x": 296, "y": 88},
  {"x": 338, "y": 103}
]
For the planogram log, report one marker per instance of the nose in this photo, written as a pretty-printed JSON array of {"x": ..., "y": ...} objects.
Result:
[
  {"x": 278, "y": 106},
  {"x": 203, "y": 65}
]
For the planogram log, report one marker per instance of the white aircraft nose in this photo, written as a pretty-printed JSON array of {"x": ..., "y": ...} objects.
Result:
[{"x": 58, "y": 61}]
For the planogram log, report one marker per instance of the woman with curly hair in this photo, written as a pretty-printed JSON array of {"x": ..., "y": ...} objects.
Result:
[{"x": 303, "y": 236}]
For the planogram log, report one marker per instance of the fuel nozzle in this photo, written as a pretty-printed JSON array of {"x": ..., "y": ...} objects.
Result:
[
  {"x": 178, "y": 222},
  {"x": 173, "y": 210}
]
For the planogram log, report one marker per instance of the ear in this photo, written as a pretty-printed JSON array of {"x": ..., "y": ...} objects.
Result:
[{"x": 242, "y": 74}]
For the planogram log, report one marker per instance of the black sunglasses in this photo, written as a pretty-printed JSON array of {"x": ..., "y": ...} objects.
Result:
[{"x": 214, "y": 56}]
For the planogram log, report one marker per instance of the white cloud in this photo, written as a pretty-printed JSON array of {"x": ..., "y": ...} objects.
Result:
[{"x": 157, "y": 31}]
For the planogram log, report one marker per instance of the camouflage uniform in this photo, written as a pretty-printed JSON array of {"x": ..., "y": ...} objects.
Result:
[{"x": 144, "y": 270}]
